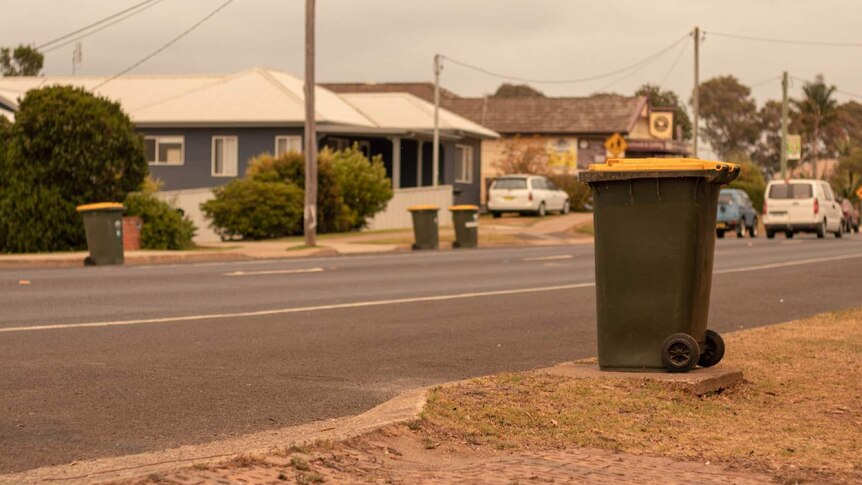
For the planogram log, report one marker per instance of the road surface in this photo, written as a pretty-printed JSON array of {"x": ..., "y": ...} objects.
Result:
[{"x": 116, "y": 360}]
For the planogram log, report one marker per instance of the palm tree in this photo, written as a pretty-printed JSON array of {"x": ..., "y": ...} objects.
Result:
[{"x": 818, "y": 111}]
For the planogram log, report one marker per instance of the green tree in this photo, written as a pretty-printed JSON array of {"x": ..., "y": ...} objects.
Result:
[
  {"x": 67, "y": 147},
  {"x": 729, "y": 114},
  {"x": 164, "y": 227},
  {"x": 847, "y": 177},
  {"x": 507, "y": 90},
  {"x": 363, "y": 182},
  {"x": 253, "y": 209},
  {"x": 24, "y": 60},
  {"x": 659, "y": 98},
  {"x": 750, "y": 179},
  {"x": 767, "y": 151},
  {"x": 818, "y": 114}
]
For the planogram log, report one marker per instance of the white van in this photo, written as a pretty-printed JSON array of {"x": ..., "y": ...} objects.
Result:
[
  {"x": 801, "y": 205},
  {"x": 532, "y": 194}
]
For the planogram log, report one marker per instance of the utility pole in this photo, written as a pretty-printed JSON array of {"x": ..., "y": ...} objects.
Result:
[
  {"x": 435, "y": 153},
  {"x": 696, "y": 93},
  {"x": 310, "y": 227},
  {"x": 784, "y": 126}
]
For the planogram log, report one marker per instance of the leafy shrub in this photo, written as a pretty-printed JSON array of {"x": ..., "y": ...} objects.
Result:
[
  {"x": 66, "y": 148},
  {"x": 164, "y": 227},
  {"x": 256, "y": 210},
  {"x": 580, "y": 194},
  {"x": 363, "y": 183},
  {"x": 38, "y": 219},
  {"x": 332, "y": 214},
  {"x": 751, "y": 181}
]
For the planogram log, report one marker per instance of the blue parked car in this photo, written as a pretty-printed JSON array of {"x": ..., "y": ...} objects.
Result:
[{"x": 735, "y": 213}]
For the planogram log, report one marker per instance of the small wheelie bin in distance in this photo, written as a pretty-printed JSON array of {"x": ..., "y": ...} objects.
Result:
[
  {"x": 425, "y": 230},
  {"x": 103, "y": 223},
  {"x": 654, "y": 223},
  {"x": 465, "y": 218}
]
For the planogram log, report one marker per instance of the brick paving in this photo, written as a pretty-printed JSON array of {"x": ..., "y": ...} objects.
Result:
[{"x": 381, "y": 463}]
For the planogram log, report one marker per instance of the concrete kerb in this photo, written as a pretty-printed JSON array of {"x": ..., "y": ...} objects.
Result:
[{"x": 405, "y": 407}]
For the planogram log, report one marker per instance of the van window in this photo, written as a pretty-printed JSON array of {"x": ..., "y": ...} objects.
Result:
[
  {"x": 827, "y": 192},
  {"x": 510, "y": 184},
  {"x": 790, "y": 191},
  {"x": 539, "y": 184}
]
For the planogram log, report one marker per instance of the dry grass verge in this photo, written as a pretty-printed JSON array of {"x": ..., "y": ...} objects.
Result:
[{"x": 797, "y": 416}]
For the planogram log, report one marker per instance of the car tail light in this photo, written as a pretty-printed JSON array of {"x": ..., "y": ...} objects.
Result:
[
  {"x": 530, "y": 196},
  {"x": 816, "y": 206}
]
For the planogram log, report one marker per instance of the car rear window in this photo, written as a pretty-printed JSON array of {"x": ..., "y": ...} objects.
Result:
[
  {"x": 510, "y": 184},
  {"x": 790, "y": 191}
]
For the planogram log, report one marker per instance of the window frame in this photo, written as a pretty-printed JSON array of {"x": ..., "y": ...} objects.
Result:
[
  {"x": 164, "y": 138},
  {"x": 213, "y": 155},
  {"x": 288, "y": 138},
  {"x": 460, "y": 177}
]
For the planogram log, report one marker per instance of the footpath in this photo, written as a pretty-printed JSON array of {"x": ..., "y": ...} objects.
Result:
[{"x": 506, "y": 231}]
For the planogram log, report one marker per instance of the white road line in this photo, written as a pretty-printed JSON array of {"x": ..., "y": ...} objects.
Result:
[
  {"x": 550, "y": 258},
  {"x": 788, "y": 264},
  {"x": 283, "y": 311},
  {"x": 399, "y": 301},
  {"x": 274, "y": 271}
]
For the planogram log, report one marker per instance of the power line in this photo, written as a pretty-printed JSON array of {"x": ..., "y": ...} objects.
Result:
[
  {"x": 634, "y": 71},
  {"x": 761, "y": 83},
  {"x": 568, "y": 81},
  {"x": 673, "y": 65},
  {"x": 133, "y": 9},
  {"x": 785, "y": 41},
  {"x": 166, "y": 45}
]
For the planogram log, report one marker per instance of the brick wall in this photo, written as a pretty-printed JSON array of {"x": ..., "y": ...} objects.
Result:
[{"x": 132, "y": 233}]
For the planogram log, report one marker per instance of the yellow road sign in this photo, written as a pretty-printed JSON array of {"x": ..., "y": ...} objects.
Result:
[{"x": 616, "y": 144}]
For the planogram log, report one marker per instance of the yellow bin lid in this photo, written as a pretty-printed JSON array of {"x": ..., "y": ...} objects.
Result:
[
  {"x": 660, "y": 164},
  {"x": 464, "y": 207},
  {"x": 428, "y": 207},
  {"x": 99, "y": 206}
]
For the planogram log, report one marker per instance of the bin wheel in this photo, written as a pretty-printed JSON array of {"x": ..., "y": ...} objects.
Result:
[
  {"x": 88, "y": 261},
  {"x": 713, "y": 350},
  {"x": 788, "y": 234},
  {"x": 770, "y": 234},
  {"x": 680, "y": 353},
  {"x": 496, "y": 214},
  {"x": 455, "y": 244},
  {"x": 719, "y": 234}
]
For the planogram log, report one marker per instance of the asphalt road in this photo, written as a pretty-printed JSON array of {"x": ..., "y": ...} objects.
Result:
[{"x": 108, "y": 361}]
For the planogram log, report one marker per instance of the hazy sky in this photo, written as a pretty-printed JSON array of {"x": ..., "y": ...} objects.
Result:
[{"x": 395, "y": 40}]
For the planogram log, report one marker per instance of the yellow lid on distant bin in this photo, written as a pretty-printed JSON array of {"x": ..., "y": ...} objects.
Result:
[
  {"x": 464, "y": 207},
  {"x": 99, "y": 206},
  {"x": 661, "y": 164},
  {"x": 428, "y": 207}
]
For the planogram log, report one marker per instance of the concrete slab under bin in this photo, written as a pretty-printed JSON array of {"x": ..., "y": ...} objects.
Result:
[{"x": 699, "y": 381}]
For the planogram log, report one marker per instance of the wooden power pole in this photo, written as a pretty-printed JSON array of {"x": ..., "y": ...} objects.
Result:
[
  {"x": 435, "y": 151},
  {"x": 310, "y": 227}
]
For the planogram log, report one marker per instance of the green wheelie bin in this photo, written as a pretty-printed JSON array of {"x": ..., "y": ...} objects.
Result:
[
  {"x": 425, "y": 231},
  {"x": 103, "y": 223},
  {"x": 654, "y": 223},
  {"x": 465, "y": 218}
]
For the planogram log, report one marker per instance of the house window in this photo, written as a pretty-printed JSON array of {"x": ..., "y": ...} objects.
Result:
[
  {"x": 224, "y": 156},
  {"x": 164, "y": 150},
  {"x": 463, "y": 164},
  {"x": 286, "y": 144}
]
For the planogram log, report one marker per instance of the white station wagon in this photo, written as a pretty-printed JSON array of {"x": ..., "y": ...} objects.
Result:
[{"x": 533, "y": 194}]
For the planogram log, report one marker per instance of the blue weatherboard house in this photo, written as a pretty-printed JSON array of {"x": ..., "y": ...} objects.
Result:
[{"x": 201, "y": 130}]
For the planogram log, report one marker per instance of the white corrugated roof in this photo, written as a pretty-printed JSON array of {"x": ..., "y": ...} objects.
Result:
[
  {"x": 404, "y": 111},
  {"x": 254, "y": 97}
]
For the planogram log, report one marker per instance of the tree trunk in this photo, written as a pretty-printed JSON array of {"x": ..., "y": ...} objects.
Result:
[{"x": 814, "y": 149}]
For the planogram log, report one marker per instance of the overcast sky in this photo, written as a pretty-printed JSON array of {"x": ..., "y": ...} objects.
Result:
[{"x": 395, "y": 40}]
